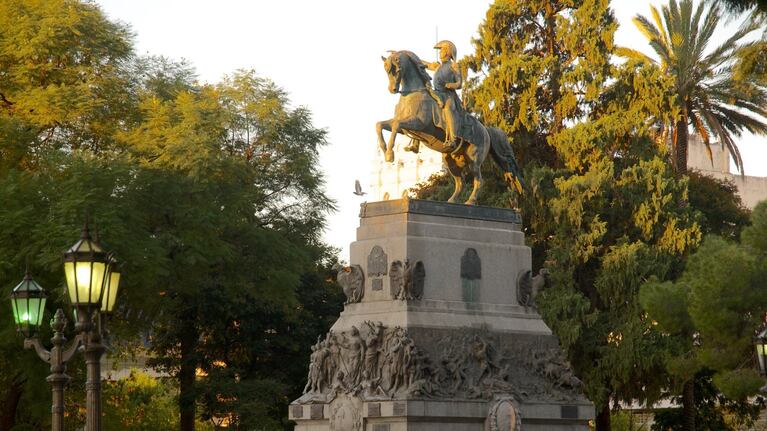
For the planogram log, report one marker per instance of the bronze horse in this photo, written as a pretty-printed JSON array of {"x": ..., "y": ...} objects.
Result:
[{"x": 418, "y": 116}]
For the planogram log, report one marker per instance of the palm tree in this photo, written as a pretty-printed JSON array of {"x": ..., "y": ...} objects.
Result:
[{"x": 708, "y": 95}]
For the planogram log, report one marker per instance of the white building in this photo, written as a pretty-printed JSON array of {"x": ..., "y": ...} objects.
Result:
[
  {"x": 392, "y": 180},
  {"x": 752, "y": 190}
]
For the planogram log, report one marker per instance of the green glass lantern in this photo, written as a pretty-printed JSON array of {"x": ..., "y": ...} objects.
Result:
[
  {"x": 85, "y": 268},
  {"x": 111, "y": 284},
  {"x": 28, "y": 301},
  {"x": 760, "y": 342}
]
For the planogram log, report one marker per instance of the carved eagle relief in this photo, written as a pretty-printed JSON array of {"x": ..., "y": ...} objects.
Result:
[
  {"x": 352, "y": 281},
  {"x": 406, "y": 280}
]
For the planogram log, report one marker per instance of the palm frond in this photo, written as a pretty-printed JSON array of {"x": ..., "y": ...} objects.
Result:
[
  {"x": 726, "y": 50},
  {"x": 659, "y": 25},
  {"x": 725, "y": 138},
  {"x": 633, "y": 54},
  {"x": 741, "y": 121}
]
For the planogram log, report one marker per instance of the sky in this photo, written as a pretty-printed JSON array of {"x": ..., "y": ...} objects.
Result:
[{"x": 327, "y": 56}]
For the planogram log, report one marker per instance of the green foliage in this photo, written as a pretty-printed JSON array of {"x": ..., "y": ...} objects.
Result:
[
  {"x": 708, "y": 96},
  {"x": 209, "y": 194},
  {"x": 63, "y": 83},
  {"x": 622, "y": 420},
  {"x": 539, "y": 66},
  {"x": 713, "y": 412},
  {"x": 722, "y": 210},
  {"x": 139, "y": 402},
  {"x": 718, "y": 301}
]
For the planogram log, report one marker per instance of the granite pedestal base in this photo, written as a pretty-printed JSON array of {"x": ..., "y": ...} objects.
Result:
[{"x": 434, "y": 337}]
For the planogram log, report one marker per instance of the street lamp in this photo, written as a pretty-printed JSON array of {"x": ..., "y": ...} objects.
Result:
[
  {"x": 92, "y": 285},
  {"x": 28, "y": 300},
  {"x": 760, "y": 341},
  {"x": 86, "y": 267}
]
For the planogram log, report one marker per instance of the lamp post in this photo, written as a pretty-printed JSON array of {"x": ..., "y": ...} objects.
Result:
[
  {"x": 28, "y": 300},
  {"x": 86, "y": 267},
  {"x": 92, "y": 284}
]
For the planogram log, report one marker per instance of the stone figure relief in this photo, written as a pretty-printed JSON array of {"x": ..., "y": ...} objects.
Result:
[
  {"x": 529, "y": 287},
  {"x": 352, "y": 281},
  {"x": 471, "y": 274},
  {"x": 375, "y": 362},
  {"x": 504, "y": 415},
  {"x": 406, "y": 280},
  {"x": 552, "y": 365}
]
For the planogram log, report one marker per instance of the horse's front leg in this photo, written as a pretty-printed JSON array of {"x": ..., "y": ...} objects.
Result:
[
  {"x": 380, "y": 127},
  {"x": 455, "y": 172},
  {"x": 396, "y": 127}
]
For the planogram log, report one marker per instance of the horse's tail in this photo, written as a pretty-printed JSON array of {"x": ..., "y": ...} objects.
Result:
[{"x": 503, "y": 154}]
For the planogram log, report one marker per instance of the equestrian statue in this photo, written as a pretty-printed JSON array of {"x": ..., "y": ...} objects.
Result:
[{"x": 436, "y": 118}]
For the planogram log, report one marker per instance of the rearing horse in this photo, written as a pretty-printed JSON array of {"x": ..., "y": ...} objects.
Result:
[{"x": 418, "y": 116}]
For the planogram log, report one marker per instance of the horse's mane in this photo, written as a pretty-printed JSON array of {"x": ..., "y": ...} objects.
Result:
[{"x": 419, "y": 66}]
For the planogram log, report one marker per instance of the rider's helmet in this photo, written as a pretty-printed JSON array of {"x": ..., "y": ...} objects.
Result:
[{"x": 450, "y": 47}]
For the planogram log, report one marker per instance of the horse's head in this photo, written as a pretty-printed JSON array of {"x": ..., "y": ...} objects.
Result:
[
  {"x": 406, "y": 72},
  {"x": 393, "y": 70}
]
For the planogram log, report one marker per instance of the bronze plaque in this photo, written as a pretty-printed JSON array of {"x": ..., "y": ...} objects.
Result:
[
  {"x": 374, "y": 410},
  {"x": 400, "y": 409},
  {"x": 317, "y": 411},
  {"x": 471, "y": 266},
  {"x": 378, "y": 284},
  {"x": 381, "y": 427},
  {"x": 569, "y": 412},
  {"x": 377, "y": 262},
  {"x": 298, "y": 411}
]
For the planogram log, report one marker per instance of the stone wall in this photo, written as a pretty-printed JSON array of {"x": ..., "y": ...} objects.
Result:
[{"x": 752, "y": 189}]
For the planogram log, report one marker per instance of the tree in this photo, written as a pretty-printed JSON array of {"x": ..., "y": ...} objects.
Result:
[
  {"x": 711, "y": 314},
  {"x": 618, "y": 219},
  {"x": 708, "y": 96},
  {"x": 538, "y": 66},
  {"x": 713, "y": 411},
  {"x": 64, "y": 82},
  {"x": 210, "y": 195},
  {"x": 244, "y": 236}
]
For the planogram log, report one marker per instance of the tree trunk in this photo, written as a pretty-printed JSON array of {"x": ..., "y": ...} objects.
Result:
[
  {"x": 603, "y": 419},
  {"x": 187, "y": 398},
  {"x": 10, "y": 404},
  {"x": 688, "y": 405},
  {"x": 680, "y": 146}
]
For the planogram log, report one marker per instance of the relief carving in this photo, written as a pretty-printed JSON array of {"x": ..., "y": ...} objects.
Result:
[
  {"x": 376, "y": 363},
  {"x": 504, "y": 415},
  {"x": 406, "y": 281},
  {"x": 352, "y": 281},
  {"x": 529, "y": 287},
  {"x": 345, "y": 414}
]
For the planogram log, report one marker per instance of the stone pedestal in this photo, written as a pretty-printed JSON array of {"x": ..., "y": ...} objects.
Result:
[{"x": 434, "y": 336}]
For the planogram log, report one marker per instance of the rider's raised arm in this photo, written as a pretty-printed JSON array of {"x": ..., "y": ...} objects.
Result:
[{"x": 431, "y": 66}]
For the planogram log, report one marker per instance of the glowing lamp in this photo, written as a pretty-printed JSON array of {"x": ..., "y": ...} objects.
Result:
[
  {"x": 111, "y": 284},
  {"x": 28, "y": 301},
  {"x": 85, "y": 268}
]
